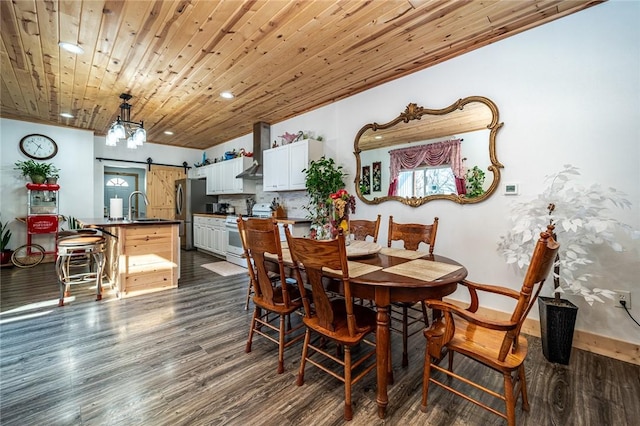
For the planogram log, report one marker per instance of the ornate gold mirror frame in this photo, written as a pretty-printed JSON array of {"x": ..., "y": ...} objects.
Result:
[{"x": 466, "y": 116}]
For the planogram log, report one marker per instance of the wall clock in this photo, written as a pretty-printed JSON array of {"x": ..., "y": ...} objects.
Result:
[{"x": 39, "y": 147}]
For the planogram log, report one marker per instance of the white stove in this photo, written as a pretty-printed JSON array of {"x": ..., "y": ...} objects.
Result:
[{"x": 235, "y": 252}]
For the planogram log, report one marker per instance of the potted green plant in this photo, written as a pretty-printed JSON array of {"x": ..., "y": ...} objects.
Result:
[
  {"x": 38, "y": 172},
  {"x": 581, "y": 222},
  {"x": 322, "y": 178},
  {"x": 5, "y": 238},
  {"x": 53, "y": 176}
]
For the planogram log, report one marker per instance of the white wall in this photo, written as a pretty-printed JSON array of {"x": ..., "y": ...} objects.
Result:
[
  {"x": 81, "y": 175},
  {"x": 567, "y": 93}
]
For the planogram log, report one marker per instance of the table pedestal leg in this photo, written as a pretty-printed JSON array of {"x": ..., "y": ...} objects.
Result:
[{"x": 382, "y": 358}]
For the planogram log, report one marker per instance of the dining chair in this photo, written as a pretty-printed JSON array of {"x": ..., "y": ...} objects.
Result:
[
  {"x": 274, "y": 294},
  {"x": 495, "y": 343},
  {"x": 336, "y": 320},
  {"x": 361, "y": 228},
  {"x": 411, "y": 234}
]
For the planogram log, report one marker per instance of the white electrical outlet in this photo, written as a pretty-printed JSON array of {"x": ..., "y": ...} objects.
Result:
[{"x": 622, "y": 295}]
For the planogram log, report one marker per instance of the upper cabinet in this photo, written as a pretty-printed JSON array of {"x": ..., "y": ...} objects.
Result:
[
  {"x": 221, "y": 177},
  {"x": 283, "y": 166}
]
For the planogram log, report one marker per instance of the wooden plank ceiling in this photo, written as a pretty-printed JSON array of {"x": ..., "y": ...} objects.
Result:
[{"x": 280, "y": 58}]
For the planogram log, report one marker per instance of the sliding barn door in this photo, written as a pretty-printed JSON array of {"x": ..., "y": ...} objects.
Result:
[{"x": 161, "y": 191}]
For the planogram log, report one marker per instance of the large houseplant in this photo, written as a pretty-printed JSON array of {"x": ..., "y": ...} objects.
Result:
[
  {"x": 322, "y": 178},
  {"x": 38, "y": 172},
  {"x": 582, "y": 221}
]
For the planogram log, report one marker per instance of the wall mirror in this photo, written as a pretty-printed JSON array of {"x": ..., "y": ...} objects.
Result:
[{"x": 430, "y": 154}]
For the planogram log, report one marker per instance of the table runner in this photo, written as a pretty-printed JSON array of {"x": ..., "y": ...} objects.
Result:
[
  {"x": 405, "y": 254},
  {"x": 422, "y": 269}
]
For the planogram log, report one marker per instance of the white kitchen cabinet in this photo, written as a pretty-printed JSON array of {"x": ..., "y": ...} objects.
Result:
[
  {"x": 210, "y": 234},
  {"x": 197, "y": 172},
  {"x": 274, "y": 163},
  {"x": 221, "y": 177},
  {"x": 214, "y": 179},
  {"x": 283, "y": 166}
]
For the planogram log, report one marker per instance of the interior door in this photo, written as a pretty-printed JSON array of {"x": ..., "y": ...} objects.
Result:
[{"x": 161, "y": 191}]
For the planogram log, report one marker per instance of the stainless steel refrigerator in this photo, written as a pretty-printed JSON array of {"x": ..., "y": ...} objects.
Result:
[{"x": 191, "y": 198}]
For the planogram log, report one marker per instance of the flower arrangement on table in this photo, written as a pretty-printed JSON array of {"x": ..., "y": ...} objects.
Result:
[{"x": 343, "y": 205}]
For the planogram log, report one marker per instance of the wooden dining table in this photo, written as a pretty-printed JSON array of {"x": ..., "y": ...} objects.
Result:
[{"x": 386, "y": 275}]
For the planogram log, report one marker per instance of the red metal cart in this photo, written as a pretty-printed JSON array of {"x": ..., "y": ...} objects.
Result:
[{"x": 42, "y": 218}]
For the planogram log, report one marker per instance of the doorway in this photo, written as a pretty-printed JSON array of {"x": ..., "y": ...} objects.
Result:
[{"x": 120, "y": 183}]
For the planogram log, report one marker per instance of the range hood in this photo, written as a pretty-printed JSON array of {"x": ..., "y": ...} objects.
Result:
[{"x": 261, "y": 138}]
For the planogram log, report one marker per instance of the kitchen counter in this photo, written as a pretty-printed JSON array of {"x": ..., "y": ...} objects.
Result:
[
  {"x": 142, "y": 256},
  {"x": 288, "y": 220}
]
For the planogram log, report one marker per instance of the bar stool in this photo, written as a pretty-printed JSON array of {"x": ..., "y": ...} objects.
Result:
[{"x": 75, "y": 250}]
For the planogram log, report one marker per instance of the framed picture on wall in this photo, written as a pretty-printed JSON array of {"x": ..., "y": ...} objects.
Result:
[
  {"x": 377, "y": 176},
  {"x": 365, "y": 184}
]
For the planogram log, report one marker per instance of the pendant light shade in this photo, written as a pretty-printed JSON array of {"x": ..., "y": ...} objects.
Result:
[{"x": 124, "y": 128}]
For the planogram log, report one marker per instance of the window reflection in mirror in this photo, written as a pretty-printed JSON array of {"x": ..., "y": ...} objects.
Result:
[{"x": 472, "y": 121}]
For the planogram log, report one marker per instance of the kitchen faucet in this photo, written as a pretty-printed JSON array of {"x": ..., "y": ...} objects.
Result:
[{"x": 146, "y": 202}]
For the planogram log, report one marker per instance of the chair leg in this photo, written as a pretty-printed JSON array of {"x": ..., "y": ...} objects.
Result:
[
  {"x": 510, "y": 400},
  {"x": 348, "y": 409},
  {"x": 246, "y": 305},
  {"x": 305, "y": 350},
  {"x": 523, "y": 388},
  {"x": 281, "y": 344},
  {"x": 405, "y": 333},
  {"x": 425, "y": 380},
  {"x": 256, "y": 313}
]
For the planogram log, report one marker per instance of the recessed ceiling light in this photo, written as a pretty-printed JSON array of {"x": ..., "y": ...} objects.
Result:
[
  {"x": 168, "y": 132},
  {"x": 378, "y": 137},
  {"x": 227, "y": 95},
  {"x": 70, "y": 47},
  {"x": 66, "y": 115}
]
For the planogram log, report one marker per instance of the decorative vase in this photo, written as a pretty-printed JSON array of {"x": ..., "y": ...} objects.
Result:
[
  {"x": 52, "y": 180},
  {"x": 557, "y": 322}
]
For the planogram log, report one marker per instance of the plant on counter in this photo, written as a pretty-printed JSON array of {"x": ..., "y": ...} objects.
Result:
[
  {"x": 38, "y": 172},
  {"x": 581, "y": 222},
  {"x": 323, "y": 177}
]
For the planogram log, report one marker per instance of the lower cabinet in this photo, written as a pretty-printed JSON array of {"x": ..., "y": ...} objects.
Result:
[{"x": 210, "y": 234}]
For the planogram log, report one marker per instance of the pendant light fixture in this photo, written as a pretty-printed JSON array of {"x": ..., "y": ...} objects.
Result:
[{"x": 124, "y": 128}]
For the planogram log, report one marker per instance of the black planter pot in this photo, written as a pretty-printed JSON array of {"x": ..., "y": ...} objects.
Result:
[{"x": 557, "y": 322}]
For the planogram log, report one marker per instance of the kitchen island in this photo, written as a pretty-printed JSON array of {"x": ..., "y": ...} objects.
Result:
[{"x": 141, "y": 255}]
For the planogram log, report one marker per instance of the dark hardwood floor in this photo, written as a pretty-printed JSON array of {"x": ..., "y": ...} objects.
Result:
[{"x": 177, "y": 357}]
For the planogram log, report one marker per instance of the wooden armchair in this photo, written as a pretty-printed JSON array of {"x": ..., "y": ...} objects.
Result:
[
  {"x": 363, "y": 228},
  {"x": 411, "y": 234},
  {"x": 276, "y": 295},
  {"x": 337, "y": 320},
  {"x": 494, "y": 343}
]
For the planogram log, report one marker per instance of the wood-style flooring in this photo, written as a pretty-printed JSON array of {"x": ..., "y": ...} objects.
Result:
[{"x": 177, "y": 357}]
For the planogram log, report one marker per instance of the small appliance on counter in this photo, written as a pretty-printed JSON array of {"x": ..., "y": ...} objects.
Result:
[
  {"x": 222, "y": 208},
  {"x": 211, "y": 208},
  {"x": 261, "y": 210}
]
